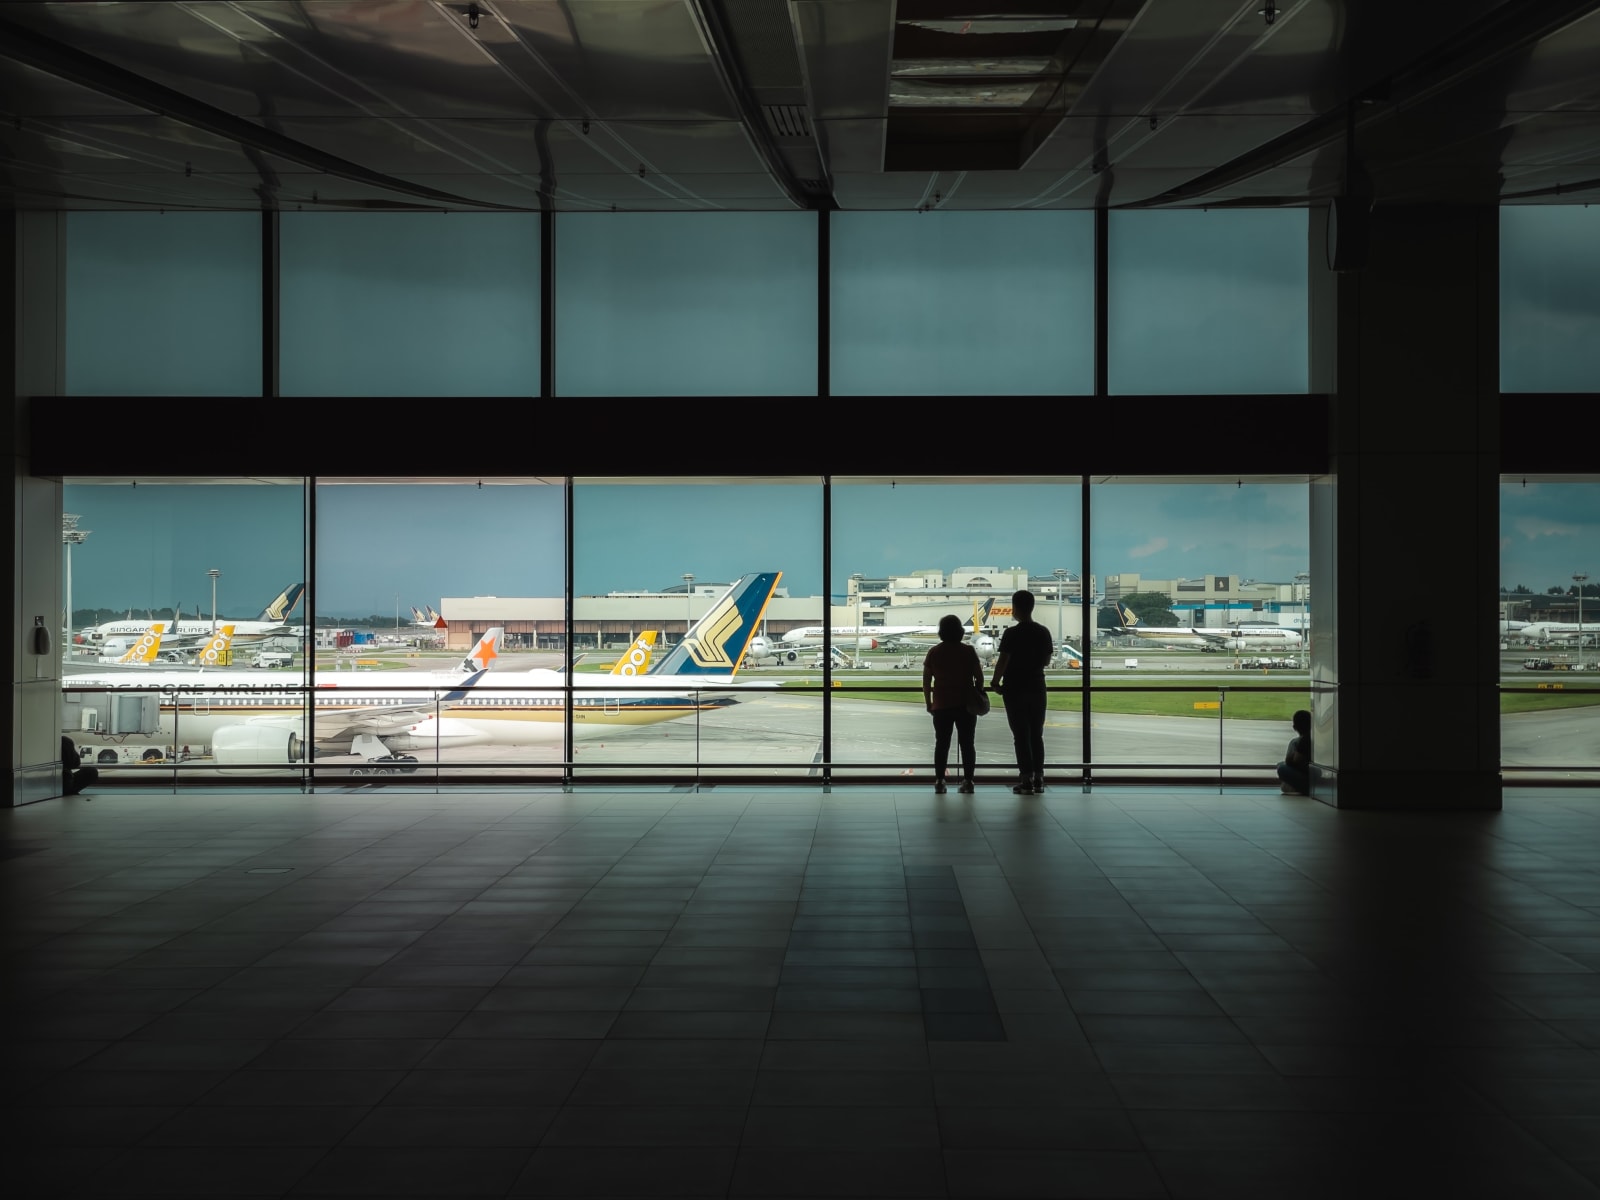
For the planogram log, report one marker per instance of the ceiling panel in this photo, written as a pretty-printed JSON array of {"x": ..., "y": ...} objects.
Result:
[{"x": 642, "y": 104}]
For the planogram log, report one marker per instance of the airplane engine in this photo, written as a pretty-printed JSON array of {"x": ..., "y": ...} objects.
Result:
[{"x": 258, "y": 744}]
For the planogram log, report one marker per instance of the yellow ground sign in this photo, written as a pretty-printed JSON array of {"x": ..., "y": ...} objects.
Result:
[{"x": 1208, "y": 703}]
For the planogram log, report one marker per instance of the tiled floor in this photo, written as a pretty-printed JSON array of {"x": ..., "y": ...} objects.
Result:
[{"x": 872, "y": 992}]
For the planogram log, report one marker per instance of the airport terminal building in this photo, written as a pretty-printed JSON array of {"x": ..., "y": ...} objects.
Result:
[{"x": 584, "y": 318}]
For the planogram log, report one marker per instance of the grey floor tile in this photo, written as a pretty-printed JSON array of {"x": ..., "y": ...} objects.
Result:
[
  {"x": 647, "y": 1125},
  {"x": 413, "y": 1171},
  {"x": 691, "y": 1171}
]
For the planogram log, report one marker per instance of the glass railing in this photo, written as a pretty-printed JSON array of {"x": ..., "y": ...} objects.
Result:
[{"x": 796, "y": 729}]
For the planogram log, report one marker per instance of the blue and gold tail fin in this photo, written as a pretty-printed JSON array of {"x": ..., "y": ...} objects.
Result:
[
  {"x": 637, "y": 660},
  {"x": 716, "y": 644},
  {"x": 285, "y": 603},
  {"x": 1128, "y": 619}
]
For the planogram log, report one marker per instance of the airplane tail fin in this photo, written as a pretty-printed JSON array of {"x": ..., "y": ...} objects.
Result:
[
  {"x": 144, "y": 651},
  {"x": 484, "y": 651},
  {"x": 283, "y": 604},
  {"x": 718, "y": 641},
  {"x": 416, "y": 616},
  {"x": 637, "y": 660},
  {"x": 434, "y": 618},
  {"x": 1129, "y": 621},
  {"x": 215, "y": 652},
  {"x": 980, "y": 613}
]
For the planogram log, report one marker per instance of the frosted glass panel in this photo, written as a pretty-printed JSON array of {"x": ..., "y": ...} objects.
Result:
[
  {"x": 684, "y": 304},
  {"x": 163, "y": 304},
  {"x": 409, "y": 304},
  {"x": 962, "y": 303},
  {"x": 1550, "y": 299},
  {"x": 1208, "y": 302}
]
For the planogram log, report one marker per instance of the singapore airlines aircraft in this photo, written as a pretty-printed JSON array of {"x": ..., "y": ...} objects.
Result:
[
  {"x": 252, "y": 724},
  {"x": 1236, "y": 637},
  {"x": 1558, "y": 631},
  {"x": 272, "y": 619}
]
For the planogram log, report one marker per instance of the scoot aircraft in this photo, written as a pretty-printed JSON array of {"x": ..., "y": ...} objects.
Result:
[
  {"x": 1238, "y": 637},
  {"x": 142, "y": 652},
  {"x": 272, "y": 619}
]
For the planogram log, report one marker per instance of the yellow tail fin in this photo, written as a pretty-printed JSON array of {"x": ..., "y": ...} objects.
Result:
[
  {"x": 147, "y": 647},
  {"x": 637, "y": 660},
  {"x": 215, "y": 652}
]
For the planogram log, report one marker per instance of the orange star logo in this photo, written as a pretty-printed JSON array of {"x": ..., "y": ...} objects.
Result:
[{"x": 486, "y": 653}]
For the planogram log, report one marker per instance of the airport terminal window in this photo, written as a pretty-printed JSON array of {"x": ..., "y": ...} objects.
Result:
[
  {"x": 395, "y": 555},
  {"x": 1187, "y": 670},
  {"x": 409, "y": 304},
  {"x": 163, "y": 304},
  {"x": 907, "y": 552},
  {"x": 962, "y": 303},
  {"x": 662, "y": 556},
  {"x": 1208, "y": 302},
  {"x": 1549, "y": 299},
  {"x": 167, "y": 585},
  {"x": 1549, "y": 633},
  {"x": 686, "y": 304}
]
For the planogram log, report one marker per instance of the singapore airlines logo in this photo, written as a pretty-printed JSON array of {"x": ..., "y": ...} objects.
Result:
[
  {"x": 276, "y": 610},
  {"x": 708, "y": 649}
]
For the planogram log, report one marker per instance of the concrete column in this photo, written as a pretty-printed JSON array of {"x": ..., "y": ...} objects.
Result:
[
  {"x": 1405, "y": 527},
  {"x": 34, "y": 360}
]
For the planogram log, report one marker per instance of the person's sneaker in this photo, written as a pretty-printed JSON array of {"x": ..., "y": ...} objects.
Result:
[
  {"x": 1287, "y": 790},
  {"x": 939, "y": 788},
  {"x": 1038, "y": 782},
  {"x": 1025, "y": 788},
  {"x": 966, "y": 788}
]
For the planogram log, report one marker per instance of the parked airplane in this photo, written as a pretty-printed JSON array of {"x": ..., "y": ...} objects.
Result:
[
  {"x": 427, "y": 620},
  {"x": 271, "y": 620},
  {"x": 1558, "y": 631},
  {"x": 150, "y": 649},
  {"x": 248, "y": 722},
  {"x": 1235, "y": 637}
]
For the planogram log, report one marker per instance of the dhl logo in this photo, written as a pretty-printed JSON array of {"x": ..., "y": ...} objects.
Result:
[{"x": 1000, "y": 610}]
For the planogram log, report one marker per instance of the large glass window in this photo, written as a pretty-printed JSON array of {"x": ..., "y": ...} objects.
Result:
[
  {"x": 686, "y": 304},
  {"x": 1549, "y": 628},
  {"x": 409, "y": 304},
  {"x": 908, "y": 552},
  {"x": 962, "y": 303},
  {"x": 1208, "y": 302},
  {"x": 186, "y": 611},
  {"x": 736, "y": 565},
  {"x": 1202, "y": 629},
  {"x": 163, "y": 304},
  {"x": 440, "y": 611},
  {"x": 1549, "y": 299}
]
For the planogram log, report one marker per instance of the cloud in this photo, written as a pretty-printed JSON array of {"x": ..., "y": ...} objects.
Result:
[
  {"x": 1536, "y": 527},
  {"x": 1145, "y": 550}
]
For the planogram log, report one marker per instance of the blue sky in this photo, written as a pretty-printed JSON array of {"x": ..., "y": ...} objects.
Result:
[
  {"x": 152, "y": 545},
  {"x": 1547, "y": 532}
]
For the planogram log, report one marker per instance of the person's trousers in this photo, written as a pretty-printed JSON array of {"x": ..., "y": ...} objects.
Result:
[
  {"x": 1299, "y": 778},
  {"x": 1025, "y": 715},
  {"x": 965, "y": 726}
]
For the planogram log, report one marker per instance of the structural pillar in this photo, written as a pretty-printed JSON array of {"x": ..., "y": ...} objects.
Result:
[
  {"x": 1405, "y": 525},
  {"x": 33, "y": 359}
]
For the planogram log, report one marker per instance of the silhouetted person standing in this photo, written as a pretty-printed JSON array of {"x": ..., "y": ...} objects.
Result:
[
  {"x": 1025, "y": 651},
  {"x": 951, "y": 677},
  {"x": 74, "y": 776}
]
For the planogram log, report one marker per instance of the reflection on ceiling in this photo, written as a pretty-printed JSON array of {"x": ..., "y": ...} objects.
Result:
[{"x": 691, "y": 105}]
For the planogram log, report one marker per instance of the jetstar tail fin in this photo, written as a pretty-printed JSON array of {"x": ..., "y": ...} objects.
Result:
[
  {"x": 718, "y": 641},
  {"x": 484, "y": 651}
]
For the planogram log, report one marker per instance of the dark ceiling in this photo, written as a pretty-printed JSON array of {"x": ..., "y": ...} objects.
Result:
[{"x": 587, "y": 105}]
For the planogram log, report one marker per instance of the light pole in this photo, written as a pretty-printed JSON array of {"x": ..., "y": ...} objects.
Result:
[
  {"x": 688, "y": 602},
  {"x": 71, "y": 536},
  {"x": 214, "y": 575},
  {"x": 1062, "y": 575},
  {"x": 1580, "y": 578}
]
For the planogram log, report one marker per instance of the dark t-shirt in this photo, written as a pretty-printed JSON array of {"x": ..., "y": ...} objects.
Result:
[{"x": 1030, "y": 648}]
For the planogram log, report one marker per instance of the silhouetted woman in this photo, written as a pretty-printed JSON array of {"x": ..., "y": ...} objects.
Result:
[{"x": 951, "y": 677}]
